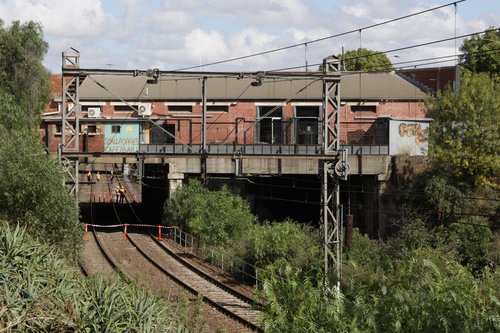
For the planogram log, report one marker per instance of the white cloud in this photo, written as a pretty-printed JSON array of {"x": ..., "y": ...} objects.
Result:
[
  {"x": 60, "y": 18},
  {"x": 205, "y": 46}
]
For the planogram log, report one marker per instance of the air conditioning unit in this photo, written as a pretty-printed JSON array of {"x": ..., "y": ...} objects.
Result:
[
  {"x": 144, "y": 109},
  {"x": 94, "y": 112}
]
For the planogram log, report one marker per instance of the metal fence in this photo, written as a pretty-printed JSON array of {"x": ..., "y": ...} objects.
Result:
[{"x": 240, "y": 269}]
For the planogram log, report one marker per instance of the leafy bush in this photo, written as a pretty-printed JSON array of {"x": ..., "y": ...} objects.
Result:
[
  {"x": 293, "y": 302},
  {"x": 31, "y": 193},
  {"x": 216, "y": 217},
  {"x": 289, "y": 240},
  {"x": 422, "y": 292},
  {"x": 40, "y": 293}
]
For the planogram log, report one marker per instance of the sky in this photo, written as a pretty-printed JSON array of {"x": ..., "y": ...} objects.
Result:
[{"x": 178, "y": 34}]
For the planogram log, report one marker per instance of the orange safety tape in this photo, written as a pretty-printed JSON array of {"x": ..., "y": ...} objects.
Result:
[{"x": 130, "y": 225}]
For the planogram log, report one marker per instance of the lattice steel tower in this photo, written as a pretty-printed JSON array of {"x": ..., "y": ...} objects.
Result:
[{"x": 333, "y": 168}]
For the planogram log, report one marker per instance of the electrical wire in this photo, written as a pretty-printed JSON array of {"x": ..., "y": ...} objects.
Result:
[
  {"x": 323, "y": 38},
  {"x": 388, "y": 51}
]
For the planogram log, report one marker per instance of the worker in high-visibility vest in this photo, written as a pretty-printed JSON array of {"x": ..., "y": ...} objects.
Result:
[{"x": 122, "y": 194}]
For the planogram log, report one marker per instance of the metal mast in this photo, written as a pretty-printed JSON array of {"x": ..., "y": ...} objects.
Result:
[
  {"x": 70, "y": 110},
  {"x": 332, "y": 169}
]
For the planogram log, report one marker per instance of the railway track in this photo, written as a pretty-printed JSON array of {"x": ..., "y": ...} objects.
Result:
[
  {"x": 223, "y": 298},
  {"x": 99, "y": 261}
]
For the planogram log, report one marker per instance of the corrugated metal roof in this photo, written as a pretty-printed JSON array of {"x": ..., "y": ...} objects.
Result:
[{"x": 354, "y": 86}]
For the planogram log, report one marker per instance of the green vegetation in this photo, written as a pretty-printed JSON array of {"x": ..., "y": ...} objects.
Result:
[
  {"x": 22, "y": 74},
  {"x": 223, "y": 220},
  {"x": 465, "y": 136},
  {"x": 480, "y": 53},
  {"x": 215, "y": 217},
  {"x": 41, "y": 293},
  {"x": 30, "y": 186},
  {"x": 420, "y": 290}
]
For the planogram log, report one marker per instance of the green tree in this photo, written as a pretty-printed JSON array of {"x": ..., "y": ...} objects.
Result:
[
  {"x": 465, "y": 136},
  {"x": 31, "y": 192},
  {"x": 22, "y": 74},
  {"x": 480, "y": 52},
  {"x": 366, "y": 60}
]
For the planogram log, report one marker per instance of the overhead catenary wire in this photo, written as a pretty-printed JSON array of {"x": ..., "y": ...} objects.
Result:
[
  {"x": 408, "y": 47},
  {"x": 322, "y": 38}
]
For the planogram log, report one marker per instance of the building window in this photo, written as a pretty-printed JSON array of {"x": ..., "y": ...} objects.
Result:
[
  {"x": 180, "y": 108},
  {"x": 91, "y": 129},
  {"x": 363, "y": 108},
  {"x": 115, "y": 129},
  {"x": 158, "y": 135},
  {"x": 270, "y": 126},
  {"x": 307, "y": 111},
  {"x": 58, "y": 129},
  {"x": 307, "y": 124},
  {"x": 123, "y": 108},
  {"x": 217, "y": 108}
]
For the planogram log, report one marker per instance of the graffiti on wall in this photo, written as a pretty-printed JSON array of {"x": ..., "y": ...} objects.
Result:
[{"x": 412, "y": 129}]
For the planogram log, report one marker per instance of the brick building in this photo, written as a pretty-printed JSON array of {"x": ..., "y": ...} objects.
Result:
[{"x": 279, "y": 111}]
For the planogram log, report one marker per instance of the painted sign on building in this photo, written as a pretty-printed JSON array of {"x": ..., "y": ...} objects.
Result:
[
  {"x": 408, "y": 137},
  {"x": 121, "y": 137}
]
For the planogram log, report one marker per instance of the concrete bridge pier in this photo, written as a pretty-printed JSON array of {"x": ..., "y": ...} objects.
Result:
[{"x": 174, "y": 182}]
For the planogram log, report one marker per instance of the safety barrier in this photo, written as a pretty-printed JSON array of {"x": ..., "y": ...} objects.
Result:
[{"x": 125, "y": 227}]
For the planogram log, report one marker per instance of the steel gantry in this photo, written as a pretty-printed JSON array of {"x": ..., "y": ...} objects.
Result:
[
  {"x": 70, "y": 110},
  {"x": 332, "y": 169}
]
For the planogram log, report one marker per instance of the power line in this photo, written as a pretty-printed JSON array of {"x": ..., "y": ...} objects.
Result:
[
  {"x": 323, "y": 38},
  {"x": 387, "y": 51}
]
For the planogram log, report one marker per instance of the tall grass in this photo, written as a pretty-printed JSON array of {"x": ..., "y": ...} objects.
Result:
[{"x": 40, "y": 293}]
